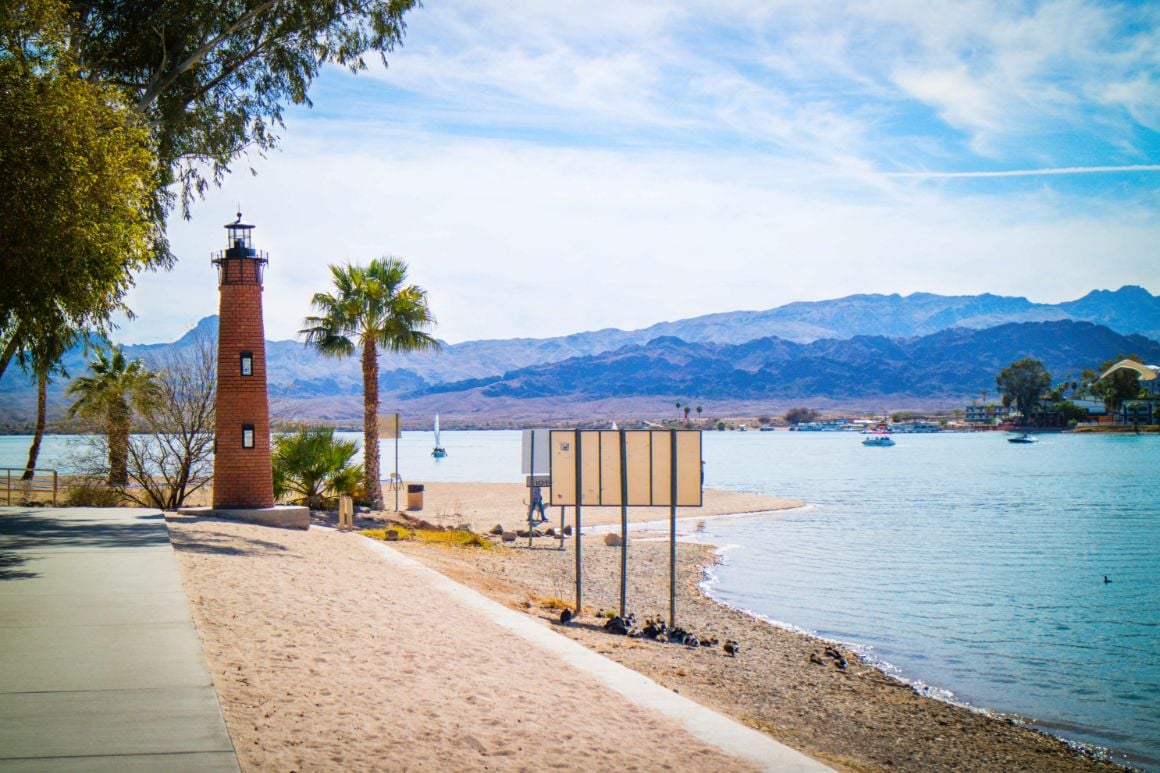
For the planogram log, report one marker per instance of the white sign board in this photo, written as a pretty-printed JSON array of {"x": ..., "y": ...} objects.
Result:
[
  {"x": 586, "y": 467},
  {"x": 540, "y": 463},
  {"x": 390, "y": 425}
]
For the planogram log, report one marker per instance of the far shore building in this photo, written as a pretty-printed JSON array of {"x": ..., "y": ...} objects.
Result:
[{"x": 988, "y": 415}]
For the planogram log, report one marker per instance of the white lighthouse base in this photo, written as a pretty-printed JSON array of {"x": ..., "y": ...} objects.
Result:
[{"x": 281, "y": 516}]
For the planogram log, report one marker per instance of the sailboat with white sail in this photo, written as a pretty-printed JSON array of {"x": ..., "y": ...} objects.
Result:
[{"x": 439, "y": 452}]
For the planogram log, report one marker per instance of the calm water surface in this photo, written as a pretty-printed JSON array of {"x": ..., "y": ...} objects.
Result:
[
  {"x": 967, "y": 563},
  {"x": 961, "y": 562}
]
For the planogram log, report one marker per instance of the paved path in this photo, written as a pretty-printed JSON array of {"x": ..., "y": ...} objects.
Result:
[{"x": 101, "y": 667}]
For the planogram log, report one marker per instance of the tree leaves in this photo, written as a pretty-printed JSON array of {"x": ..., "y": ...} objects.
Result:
[{"x": 78, "y": 177}]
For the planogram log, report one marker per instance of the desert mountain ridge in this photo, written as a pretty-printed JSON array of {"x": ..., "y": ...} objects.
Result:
[{"x": 798, "y": 352}]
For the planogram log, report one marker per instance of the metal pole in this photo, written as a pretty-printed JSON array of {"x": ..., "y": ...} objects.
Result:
[
  {"x": 623, "y": 525},
  {"x": 398, "y": 478},
  {"x": 579, "y": 496},
  {"x": 54, "y": 487},
  {"x": 673, "y": 529},
  {"x": 532, "y": 469}
]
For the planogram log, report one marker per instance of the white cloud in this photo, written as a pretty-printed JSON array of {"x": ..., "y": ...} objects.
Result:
[
  {"x": 520, "y": 240},
  {"x": 547, "y": 168},
  {"x": 1140, "y": 97}
]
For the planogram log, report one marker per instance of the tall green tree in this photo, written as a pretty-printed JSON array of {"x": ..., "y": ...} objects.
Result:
[
  {"x": 1023, "y": 383},
  {"x": 78, "y": 171},
  {"x": 211, "y": 79},
  {"x": 114, "y": 111},
  {"x": 371, "y": 308},
  {"x": 107, "y": 397}
]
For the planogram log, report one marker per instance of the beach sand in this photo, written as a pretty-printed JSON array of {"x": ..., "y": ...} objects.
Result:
[
  {"x": 483, "y": 505},
  {"x": 324, "y": 658}
]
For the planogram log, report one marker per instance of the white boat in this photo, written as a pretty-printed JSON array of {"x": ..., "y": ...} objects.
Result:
[
  {"x": 879, "y": 437},
  {"x": 439, "y": 452},
  {"x": 1024, "y": 438}
]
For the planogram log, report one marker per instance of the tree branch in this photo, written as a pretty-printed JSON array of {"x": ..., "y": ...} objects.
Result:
[
  {"x": 161, "y": 82},
  {"x": 10, "y": 350}
]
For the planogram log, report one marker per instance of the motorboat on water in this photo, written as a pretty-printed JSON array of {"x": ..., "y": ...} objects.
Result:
[
  {"x": 439, "y": 452},
  {"x": 1024, "y": 438},
  {"x": 879, "y": 437}
]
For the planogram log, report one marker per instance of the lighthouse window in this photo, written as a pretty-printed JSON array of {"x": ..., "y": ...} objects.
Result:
[
  {"x": 247, "y": 436},
  {"x": 247, "y": 363}
]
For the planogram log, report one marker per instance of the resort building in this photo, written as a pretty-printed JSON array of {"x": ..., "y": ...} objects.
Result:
[{"x": 988, "y": 415}]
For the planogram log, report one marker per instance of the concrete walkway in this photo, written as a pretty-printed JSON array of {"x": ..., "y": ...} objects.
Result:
[{"x": 101, "y": 665}]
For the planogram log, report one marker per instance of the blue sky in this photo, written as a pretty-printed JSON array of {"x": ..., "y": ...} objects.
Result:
[{"x": 552, "y": 167}]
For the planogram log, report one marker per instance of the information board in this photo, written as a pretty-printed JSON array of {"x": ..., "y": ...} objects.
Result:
[
  {"x": 592, "y": 458},
  {"x": 535, "y": 441},
  {"x": 390, "y": 425}
]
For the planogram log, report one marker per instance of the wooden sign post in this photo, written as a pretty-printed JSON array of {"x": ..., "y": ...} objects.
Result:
[{"x": 345, "y": 513}]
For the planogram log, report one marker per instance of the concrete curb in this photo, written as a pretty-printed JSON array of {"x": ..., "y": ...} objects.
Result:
[{"x": 706, "y": 724}]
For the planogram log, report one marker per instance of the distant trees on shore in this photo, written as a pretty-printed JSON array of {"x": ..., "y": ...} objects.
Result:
[
  {"x": 1026, "y": 384},
  {"x": 1023, "y": 383},
  {"x": 801, "y": 415}
]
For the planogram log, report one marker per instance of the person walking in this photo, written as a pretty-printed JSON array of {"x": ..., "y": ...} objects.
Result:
[{"x": 537, "y": 503}]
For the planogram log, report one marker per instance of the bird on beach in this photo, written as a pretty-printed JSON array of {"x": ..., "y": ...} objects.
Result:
[
  {"x": 566, "y": 616},
  {"x": 731, "y": 648}
]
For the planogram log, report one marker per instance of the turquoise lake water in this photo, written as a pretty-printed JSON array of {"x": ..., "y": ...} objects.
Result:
[{"x": 960, "y": 562}]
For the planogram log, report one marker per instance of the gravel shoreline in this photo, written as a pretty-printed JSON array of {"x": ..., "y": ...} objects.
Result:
[{"x": 781, "y": 682}]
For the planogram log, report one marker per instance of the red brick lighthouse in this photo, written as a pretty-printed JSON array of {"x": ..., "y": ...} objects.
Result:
[{"x": 242, "y": 477}]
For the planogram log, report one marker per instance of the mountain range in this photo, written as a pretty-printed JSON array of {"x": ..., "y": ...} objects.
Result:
[{"x": 859, "y": 351}]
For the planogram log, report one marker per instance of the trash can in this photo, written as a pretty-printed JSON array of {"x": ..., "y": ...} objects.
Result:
[{"x": 414, "y": 496}]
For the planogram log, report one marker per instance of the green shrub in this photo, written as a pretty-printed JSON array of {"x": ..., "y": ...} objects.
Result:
[
  {"x": 311, "y": 467},
  {"x": 93, "y": 495}
]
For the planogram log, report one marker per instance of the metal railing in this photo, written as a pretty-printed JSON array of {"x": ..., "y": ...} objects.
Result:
[{"x": 43, "y": 484}]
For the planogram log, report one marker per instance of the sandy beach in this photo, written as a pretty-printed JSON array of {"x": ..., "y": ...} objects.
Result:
[
  {"x": 324, "y": 656},
  {"x": 483, "y": 505}
]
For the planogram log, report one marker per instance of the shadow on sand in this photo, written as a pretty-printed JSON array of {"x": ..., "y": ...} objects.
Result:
[{"x": 218, "y": 542}]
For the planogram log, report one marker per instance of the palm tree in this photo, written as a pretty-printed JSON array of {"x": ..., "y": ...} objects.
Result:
[
  {"x": 106, "y": 396},
  {"x": 687, "y": 409},
  {"x": 371, "y": 307}
]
